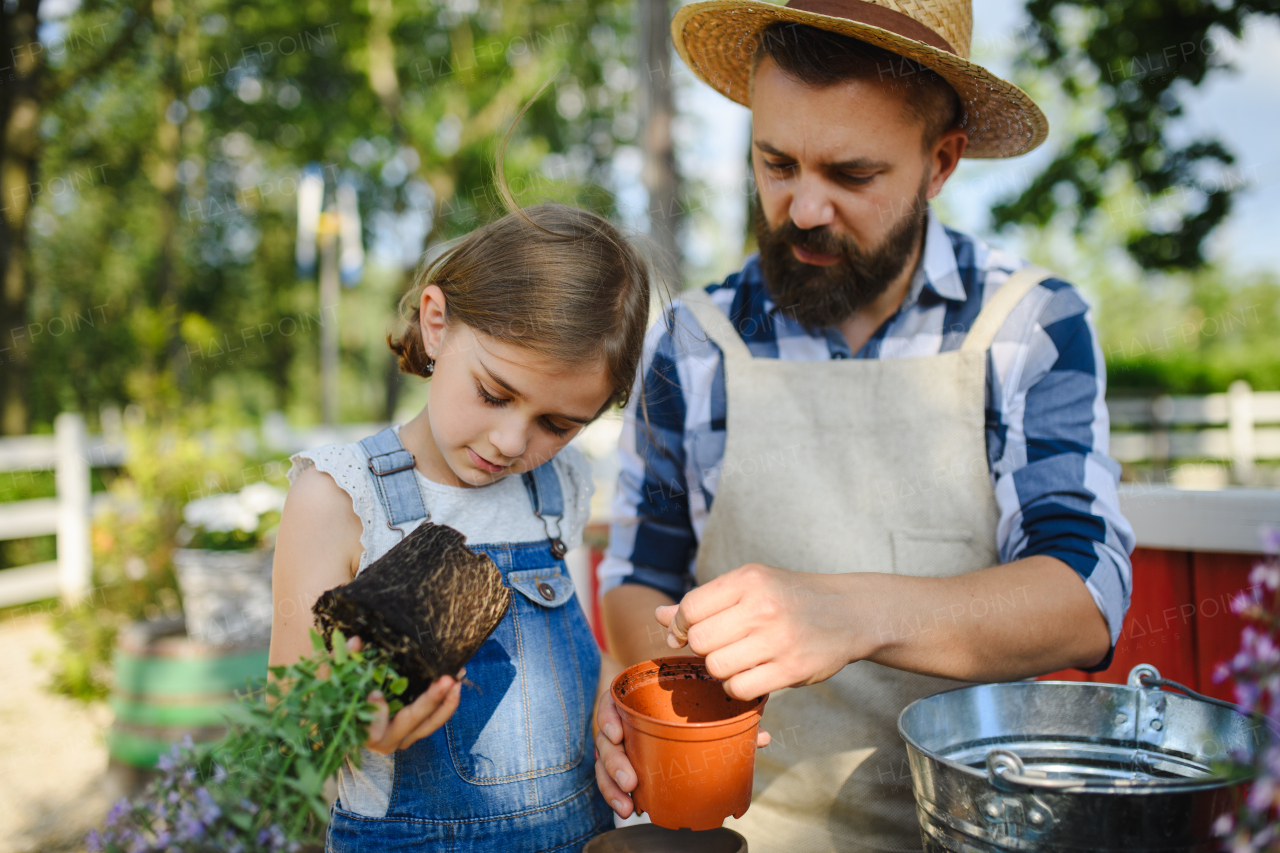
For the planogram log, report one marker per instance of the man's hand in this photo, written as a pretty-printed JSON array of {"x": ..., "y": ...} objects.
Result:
[
  {"x": 615, "y": 777},
  {"x": 762, "y": 628}
]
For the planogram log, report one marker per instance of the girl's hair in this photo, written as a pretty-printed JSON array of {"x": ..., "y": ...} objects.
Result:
[{"x": 558, "y": 280}]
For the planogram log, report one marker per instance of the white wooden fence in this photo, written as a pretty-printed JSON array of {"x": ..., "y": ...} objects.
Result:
[
  {"x": 70, "y": 453},
  {"x": 1241, "y": 427}
]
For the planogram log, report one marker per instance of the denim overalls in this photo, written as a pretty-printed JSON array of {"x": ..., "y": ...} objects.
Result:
[{"x": 513, "y": 769}]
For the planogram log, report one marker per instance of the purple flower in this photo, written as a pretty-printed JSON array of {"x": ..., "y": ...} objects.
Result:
[
  {"x": 209, "y": 811},
  {"x": 117, "y": 811},
  {"x": 1270, "y": 535},
  {"x": 1264, "y": 791},
  {"x": 93, "y": 841}
]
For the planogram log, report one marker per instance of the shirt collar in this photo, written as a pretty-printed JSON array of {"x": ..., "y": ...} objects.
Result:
[{"x": 937, "y": 269}]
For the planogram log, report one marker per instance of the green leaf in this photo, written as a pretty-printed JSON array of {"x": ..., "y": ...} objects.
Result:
[
  {"x": 308, "y": 778},
  {"x": 317, "y": 641},
  {"x": 319, "y": 809},
  {"x": 398, "y": 686}
]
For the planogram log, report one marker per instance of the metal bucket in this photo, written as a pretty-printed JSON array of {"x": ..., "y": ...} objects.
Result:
[{"x": 1073, "y": 766}]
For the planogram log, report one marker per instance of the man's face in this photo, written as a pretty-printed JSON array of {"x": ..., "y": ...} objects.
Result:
[{"x": 843, "y": 181}]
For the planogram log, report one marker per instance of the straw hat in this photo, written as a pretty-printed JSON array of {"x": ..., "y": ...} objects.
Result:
[{"x": 716, "y": 39}]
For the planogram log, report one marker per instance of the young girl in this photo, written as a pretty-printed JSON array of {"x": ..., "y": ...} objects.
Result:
[{"x": 529, "y": 329}]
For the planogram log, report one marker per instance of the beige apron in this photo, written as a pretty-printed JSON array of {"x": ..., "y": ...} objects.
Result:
[{"x": 852, "y": 465}]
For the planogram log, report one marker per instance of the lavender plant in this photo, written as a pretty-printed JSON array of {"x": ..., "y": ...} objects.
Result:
[
  {"x": 1255, "y": 827},
  {"x": 260, "y": 788}
]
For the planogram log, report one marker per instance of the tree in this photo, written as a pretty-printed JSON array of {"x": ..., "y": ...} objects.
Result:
[
  {"x": 200, "y": 128},
  {"x": 1132, "y": 59}
]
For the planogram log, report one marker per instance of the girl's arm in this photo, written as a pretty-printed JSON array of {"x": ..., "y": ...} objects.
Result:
[{"x": 318, "y": 548}]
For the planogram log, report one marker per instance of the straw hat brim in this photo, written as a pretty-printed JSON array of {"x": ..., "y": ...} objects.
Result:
[{"x": 716, "y": 39}]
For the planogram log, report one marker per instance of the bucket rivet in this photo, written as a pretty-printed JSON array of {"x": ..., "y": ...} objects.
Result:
[
  {"x": 1121, "y": 719},
  {"x": 1157, "y": 725},
  {"x": 1036, "y": 818},
  {"x": 993, "y": 810}
]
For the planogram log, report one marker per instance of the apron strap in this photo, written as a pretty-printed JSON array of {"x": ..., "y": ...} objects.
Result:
[
  {"x": 391, "y": 467},
  {"x": 715, "y": 324},
  {"x": 996, "y": 311}
]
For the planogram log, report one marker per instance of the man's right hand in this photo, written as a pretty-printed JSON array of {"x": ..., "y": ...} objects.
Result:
[{"x": 615, "y": 776}]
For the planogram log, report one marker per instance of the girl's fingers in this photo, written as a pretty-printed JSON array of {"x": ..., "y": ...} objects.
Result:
[
  {"x": 608, "y": 720},
  {"x": 437, "y": 718},
  {"x": 616, "y": 764},
  {"x": 378, "y": 727},
  {"x": 411, "y": 716},
  {"x": 763, "y": 739},
  {"x": 615, "y": 796},
  {"x": 354, "y": 643}
]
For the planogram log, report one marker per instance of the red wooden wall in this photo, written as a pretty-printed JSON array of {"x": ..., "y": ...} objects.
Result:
[{"x": 1180, "y": 618}]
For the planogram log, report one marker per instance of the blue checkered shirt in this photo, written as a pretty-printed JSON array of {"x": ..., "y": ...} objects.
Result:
[{"x": 1046, "y": 418}]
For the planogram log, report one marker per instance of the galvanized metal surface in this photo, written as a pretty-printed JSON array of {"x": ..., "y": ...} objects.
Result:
[{"x": 1071, "y": 766}]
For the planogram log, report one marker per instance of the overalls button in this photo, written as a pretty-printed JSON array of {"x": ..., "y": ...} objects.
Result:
[{"x": 545, "y": 590}]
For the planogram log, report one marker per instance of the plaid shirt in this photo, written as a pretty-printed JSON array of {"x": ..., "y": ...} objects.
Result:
[{"x": 1046, "y": 418}]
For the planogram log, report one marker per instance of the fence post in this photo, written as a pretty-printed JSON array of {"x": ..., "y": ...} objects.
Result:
[
  {"x": 71, "y": 476},
  {"x": 1240, "y": 431}
]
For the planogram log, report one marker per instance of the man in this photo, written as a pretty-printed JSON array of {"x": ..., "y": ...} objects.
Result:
[{"x": 880, "y": 448}]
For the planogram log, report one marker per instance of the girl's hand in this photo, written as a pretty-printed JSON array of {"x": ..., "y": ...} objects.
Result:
[
  {"x": 413, "y": 722},
  {"x": 615, "y": 777}
]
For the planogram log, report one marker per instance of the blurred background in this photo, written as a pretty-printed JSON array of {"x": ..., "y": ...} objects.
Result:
[{"x": 209, "y": 211}]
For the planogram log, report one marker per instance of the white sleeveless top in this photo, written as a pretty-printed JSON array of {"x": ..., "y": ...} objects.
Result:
[{"x": 498, "y": 512}]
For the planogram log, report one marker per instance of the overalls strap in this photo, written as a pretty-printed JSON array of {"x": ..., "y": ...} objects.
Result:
[
  {"x": 391, "y": 466},
  {"x": 392, "y": 469},
  {"x": 543, "y": 486}
]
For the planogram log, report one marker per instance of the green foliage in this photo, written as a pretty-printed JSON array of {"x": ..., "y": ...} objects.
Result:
[
  {"x": 170, "y": 461},
  {"x": 261, "y": 787},
  {"x": 1130, "y": 64},
  {"x": 1192, "y": 334},
  {"x": 164, "y": 264}
]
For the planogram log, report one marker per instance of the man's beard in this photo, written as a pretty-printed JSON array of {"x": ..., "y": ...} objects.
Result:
[{"x": 818, "y": 296}]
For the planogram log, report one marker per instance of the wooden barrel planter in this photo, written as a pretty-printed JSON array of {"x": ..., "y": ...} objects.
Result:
[{"x": 169, "y": 686}]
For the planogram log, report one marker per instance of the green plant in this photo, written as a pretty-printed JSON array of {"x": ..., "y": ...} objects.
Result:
[
  {"x": 232, "y": 521},
  {"x": 170, "y": 463},
  {"x": 260, "y": 788}
]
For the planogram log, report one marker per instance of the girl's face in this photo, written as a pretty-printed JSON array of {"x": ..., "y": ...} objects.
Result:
[{"x": 496, "y": 408}]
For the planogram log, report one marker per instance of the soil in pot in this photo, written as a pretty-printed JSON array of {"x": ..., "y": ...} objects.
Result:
[
  {"x": 692, "y": 745},
  {"x": 429, "y": 601}
]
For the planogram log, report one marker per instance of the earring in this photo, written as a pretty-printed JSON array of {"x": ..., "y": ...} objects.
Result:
[{"x": 431, "y": 365}]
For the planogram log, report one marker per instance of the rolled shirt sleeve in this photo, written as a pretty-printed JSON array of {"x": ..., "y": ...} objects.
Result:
[
  {"x": 1056, "y": 487},
  {"x": 651, "y": 539}
]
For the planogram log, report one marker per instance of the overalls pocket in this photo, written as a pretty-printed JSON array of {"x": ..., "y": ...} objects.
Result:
[{"x": 534, "y": 681}]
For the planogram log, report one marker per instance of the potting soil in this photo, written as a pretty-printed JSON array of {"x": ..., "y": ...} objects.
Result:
[{"x": 429, "y": 601}]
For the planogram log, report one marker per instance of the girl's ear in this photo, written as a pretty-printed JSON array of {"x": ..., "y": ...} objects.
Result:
[{"x": 431, "y": 319}]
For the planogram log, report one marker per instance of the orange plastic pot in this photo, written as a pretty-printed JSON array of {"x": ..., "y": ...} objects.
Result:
[{"x": 693, "y": 746}]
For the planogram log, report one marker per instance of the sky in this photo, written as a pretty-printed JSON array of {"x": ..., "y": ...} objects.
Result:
[{"x": 1241, "y": 108}]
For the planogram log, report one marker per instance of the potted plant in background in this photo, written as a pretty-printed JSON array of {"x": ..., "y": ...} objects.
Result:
[{"x": 224, "y": 565}]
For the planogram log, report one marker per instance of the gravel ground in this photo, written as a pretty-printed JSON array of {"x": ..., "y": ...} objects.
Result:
[{"x": 54, "y": 783}]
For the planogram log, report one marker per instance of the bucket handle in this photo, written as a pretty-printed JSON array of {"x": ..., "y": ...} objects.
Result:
[
  {"x": 1144, "y": 675},
  {"x": 1006, "y": 772}
]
